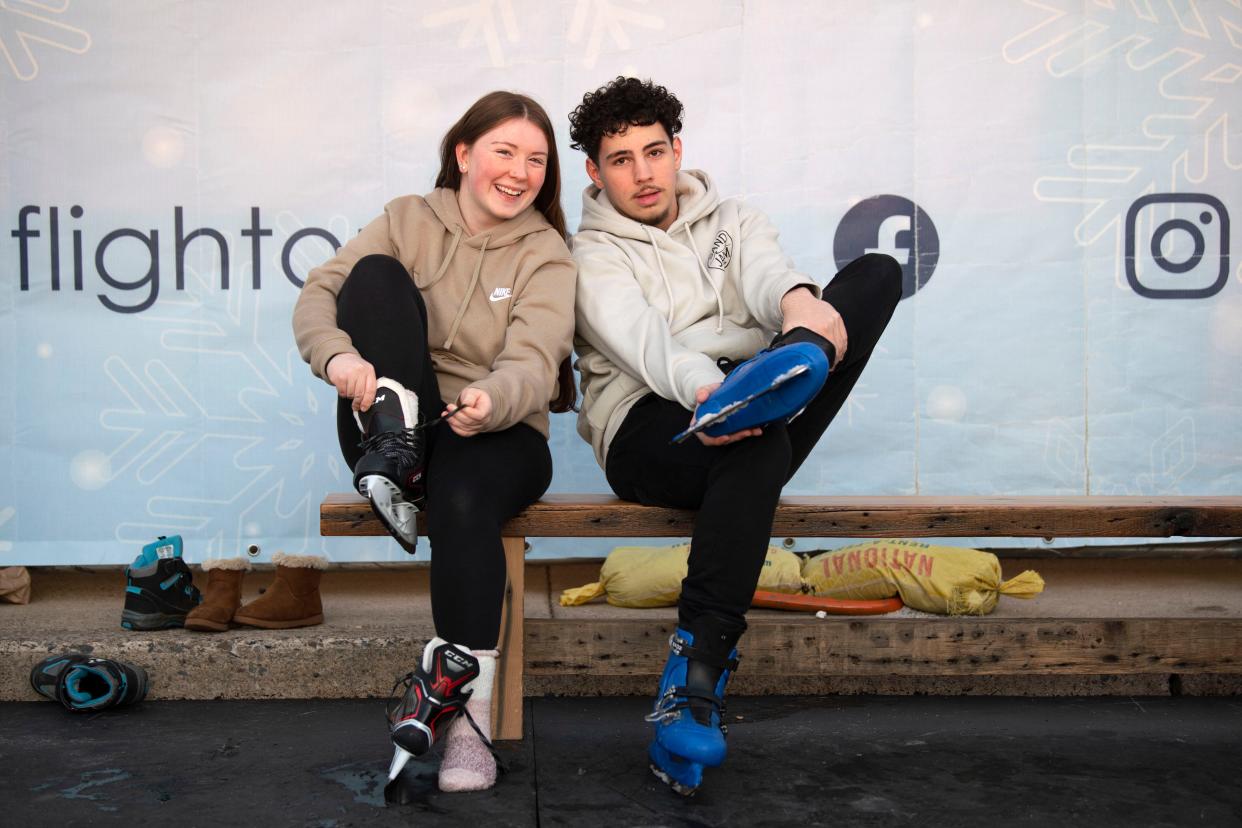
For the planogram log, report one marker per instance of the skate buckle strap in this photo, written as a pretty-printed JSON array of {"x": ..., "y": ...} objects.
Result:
[
  {"x": 677, "y": 699},
  {"x": 682, "y": 647}
]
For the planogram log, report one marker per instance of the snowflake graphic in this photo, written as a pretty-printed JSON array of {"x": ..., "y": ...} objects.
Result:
[
  {"x": 265, "y": 473},
  {"x": 1190, "y": 63},
  {"x": 607, "y": 16},
  {"x": 854, "y": 402},
  {"x": 1171, "y": 457},
  {"x": 26, "y": 22},
  {"x": 6, "y": 514},
  {"x": 480, "y": 19},
  {"x": 1065, "y": 452}
]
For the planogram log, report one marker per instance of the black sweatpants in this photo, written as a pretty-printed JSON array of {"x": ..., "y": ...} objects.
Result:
[
  {"x": 474, "y": 484},
  {"x": 736, "y": 487}
]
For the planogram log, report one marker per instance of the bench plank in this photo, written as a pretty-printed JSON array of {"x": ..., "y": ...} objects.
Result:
[
  {"x": 883, "y": 646},
  {"x": 578, "y": 515}
]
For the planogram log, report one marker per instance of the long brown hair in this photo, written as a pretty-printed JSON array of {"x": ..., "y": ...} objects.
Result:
[{"x": 483, "y": 115}]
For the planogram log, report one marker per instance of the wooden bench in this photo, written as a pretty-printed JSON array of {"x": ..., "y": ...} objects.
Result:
[{"x": 577, "y": 515}]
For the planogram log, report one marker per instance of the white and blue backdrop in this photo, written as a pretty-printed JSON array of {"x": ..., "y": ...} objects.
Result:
[{"x": 1059, "y": 178}]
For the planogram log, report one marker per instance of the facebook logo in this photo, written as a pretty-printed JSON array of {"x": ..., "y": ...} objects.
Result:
[{"x": 895, "y": 226}]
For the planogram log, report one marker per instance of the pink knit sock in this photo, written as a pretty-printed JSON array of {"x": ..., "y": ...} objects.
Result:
[{"x": 468, "y": 765}]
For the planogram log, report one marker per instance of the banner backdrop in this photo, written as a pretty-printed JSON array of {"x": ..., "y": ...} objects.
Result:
[{"x": 1057, "y": 177}]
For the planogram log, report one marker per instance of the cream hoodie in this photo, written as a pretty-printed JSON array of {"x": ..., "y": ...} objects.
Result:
[
  {"x": 499, "y": 303},
  {"x": 656, "y": 309}
]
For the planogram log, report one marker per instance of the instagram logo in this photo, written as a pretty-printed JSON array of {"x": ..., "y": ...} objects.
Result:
[{"x": 1188, "y": 253}]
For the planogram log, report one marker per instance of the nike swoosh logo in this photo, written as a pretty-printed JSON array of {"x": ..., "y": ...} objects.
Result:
[{"x": 500, "y": 293}]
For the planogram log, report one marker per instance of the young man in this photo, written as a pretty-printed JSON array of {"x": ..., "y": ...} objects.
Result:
[{"x": 675, "y": 285}]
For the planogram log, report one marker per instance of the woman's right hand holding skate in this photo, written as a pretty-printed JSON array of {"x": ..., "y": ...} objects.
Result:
[{"x": 354, "y": 379}]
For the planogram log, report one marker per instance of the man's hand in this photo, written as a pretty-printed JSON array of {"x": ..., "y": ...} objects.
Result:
[
  {"x": 354, "y": 379},
  {"x": 800, "y": 308},
  {"x": 700, "y": 397},
  {"x": 473, "y": 411}
]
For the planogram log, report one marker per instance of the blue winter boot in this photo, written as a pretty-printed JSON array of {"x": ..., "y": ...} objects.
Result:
[{"x": 689, "y": 732}]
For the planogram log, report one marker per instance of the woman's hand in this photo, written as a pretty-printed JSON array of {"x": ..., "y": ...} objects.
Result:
[
  {"x": 354, "y": 379},
  {"x": 700, "y": 397},
  {"x": 471, "y": 413}
]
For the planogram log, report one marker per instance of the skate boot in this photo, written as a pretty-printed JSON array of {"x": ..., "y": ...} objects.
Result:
[
  {"x": 689, "y": 708},
  {"x": 775, "y": 384},
  {"x": 159, "y": 590},
  {"x": 435, "y": 693},
  {"x": 390, "y": 472}
]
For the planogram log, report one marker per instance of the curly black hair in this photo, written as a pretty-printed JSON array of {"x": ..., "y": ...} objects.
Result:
[{"x": 614, "y": 107}]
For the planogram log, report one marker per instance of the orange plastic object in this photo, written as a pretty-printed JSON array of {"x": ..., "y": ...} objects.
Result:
[{"x": 832, "y": 606}]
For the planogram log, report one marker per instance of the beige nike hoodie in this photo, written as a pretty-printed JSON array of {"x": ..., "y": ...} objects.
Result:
[{"x": 500, "y": 304}]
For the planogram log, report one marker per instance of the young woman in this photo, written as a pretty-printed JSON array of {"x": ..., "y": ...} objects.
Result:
[{"x": 445, "y": 326}]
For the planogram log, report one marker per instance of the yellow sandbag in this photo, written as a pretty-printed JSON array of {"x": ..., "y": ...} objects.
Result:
[
  {"x": 946, "y": 579},
  {"x": 650, "y": 576}
]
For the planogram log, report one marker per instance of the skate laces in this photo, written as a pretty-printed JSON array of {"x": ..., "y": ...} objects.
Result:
[
  {"x": 396, "y": 703},
  {"x": 395, "y": 445}
]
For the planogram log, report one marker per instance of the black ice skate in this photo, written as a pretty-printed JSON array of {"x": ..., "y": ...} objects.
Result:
[
  {"x": 435, "y": 693},
  {"x": 390, "y": 472}
]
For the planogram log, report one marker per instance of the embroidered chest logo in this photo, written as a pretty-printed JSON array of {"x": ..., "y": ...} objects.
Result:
[
  {"x": 722, "y": 251},
  {"x": 500, "y": 293}
]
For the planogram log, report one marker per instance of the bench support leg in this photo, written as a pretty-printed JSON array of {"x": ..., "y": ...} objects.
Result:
[{"x": 507, "y": 704}]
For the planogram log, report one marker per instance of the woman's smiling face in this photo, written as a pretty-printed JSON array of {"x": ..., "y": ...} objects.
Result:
[{"x": 502, "y": 172}]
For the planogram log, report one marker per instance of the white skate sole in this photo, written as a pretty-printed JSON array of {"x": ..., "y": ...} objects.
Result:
[{"x": 391, "y": 507}]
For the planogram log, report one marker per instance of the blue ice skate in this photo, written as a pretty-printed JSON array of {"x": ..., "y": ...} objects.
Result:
[
  {"x": 689, "y": 733},
  {"x": 773, "y": 385}
]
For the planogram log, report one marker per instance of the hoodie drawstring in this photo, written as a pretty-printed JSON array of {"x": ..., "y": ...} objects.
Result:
[
  {"x": 474, "y": 282},
  {"x": 448, "y": 257},
  {"x": 698, "y": 258},
  {"x": 668, "y": 287}
]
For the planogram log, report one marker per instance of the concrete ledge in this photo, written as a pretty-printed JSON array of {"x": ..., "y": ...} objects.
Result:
[{"x": 379, "y": 617}]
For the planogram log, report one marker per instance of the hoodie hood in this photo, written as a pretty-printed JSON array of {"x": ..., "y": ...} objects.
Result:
[
  {"x": 443, "y": 202},
  {"x": 696, "y": 198}
]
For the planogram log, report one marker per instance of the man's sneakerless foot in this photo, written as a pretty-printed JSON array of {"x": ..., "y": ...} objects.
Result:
[{"x": 390, "y": 472}]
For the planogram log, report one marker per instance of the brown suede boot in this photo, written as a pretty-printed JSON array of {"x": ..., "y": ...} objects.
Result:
[
  {"x": 222, "y": 596},
  {"x": 293, "y": 598}
]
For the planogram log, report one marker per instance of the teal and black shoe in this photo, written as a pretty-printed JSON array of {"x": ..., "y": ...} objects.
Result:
[
  {"x": 84, "y": 684},
  {"x": 159, "y": 588}
]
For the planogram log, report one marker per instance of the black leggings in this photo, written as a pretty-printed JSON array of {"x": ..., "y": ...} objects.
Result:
[
  {"x": 736, "y": 487},
  {"x": 474, "y": 484}
]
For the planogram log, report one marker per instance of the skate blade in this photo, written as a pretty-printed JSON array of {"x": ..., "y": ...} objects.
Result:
[
  {"x": 399, "y": 757},
  {"x": 394, "y": 512},
  {"x": 683, "y": 790},
  {"x": 658, "y": 756},
  {"x": 732, "y": 408}
]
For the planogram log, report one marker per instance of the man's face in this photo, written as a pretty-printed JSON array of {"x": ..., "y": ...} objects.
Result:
[{"x": 638, "y": 171}]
